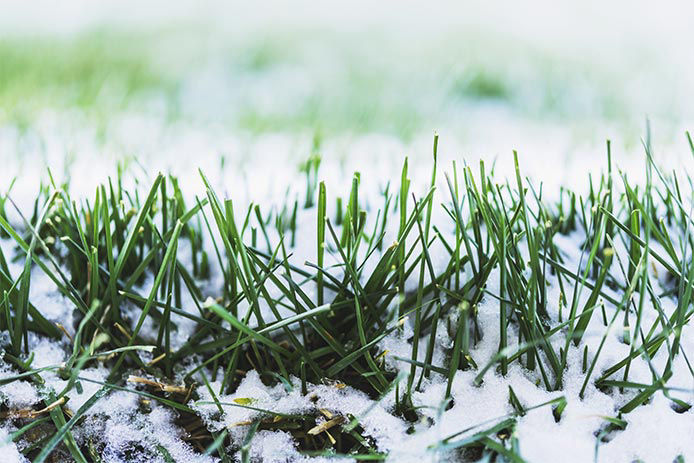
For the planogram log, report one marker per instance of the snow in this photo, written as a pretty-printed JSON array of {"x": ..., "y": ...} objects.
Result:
[
  {"x": 9, "y": 451},
  {"x": 47, "y": 353},
  {"x": 128, "y": 435},
  {"x": 386, "y": 429},
  {"x": 653, "y": 433},
  {"x": 279, "y": 447},
  {"x": 17, "y": 394}
]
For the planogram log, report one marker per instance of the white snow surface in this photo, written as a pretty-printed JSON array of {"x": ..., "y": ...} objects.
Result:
[{"x": 10, "y": 453}]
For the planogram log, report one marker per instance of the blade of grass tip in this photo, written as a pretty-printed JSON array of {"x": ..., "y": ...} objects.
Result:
[
  {"x": 246, "y": 277},
  {"x": 446, "y": 443},
  {"x": 296, "y": 318},
  {"x": 503, "y": 310},
  {"x": 644, "y": 271},
  {"x": 26, "y": 374},
  {"x": 320, "y": 230},
  {"x": 261, "y": 222},
  {"x": 58, "y": 277},
  {"x": 532, "y": 250},
  {"x": 458, "y": 230},
  {"x": 350, "y": 228},
  {"x": 474, "y": 215},
  {"x": 104, "y": 354},
  {"x": 419, "y": 301},
  {"x": 434, "y": 323},
  {"x": 584, "y": 320},
  {"x": 22, "y": 310},
  {"x": 461, "y": 233},
  {"x": 354, "y": 203},
  {"x": 247, "y": 219},
  {"x": 164, "y": 221},
  {"x": 332, "y": 455},
  {"x": 404, "y": 189},
  {"x": 109, "y": 247},
  {"x": 423, "y": 365}
]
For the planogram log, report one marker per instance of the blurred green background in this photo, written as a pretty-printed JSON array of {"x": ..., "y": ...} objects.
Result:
[{"x": 395, "y": 68}]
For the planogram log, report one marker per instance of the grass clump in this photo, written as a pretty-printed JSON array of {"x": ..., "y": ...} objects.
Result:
[
  {"x": 98, "y": 72},
  {"x": 137, "y": 268}
]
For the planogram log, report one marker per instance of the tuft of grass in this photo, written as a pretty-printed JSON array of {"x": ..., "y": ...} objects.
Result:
[
  {"x": 315, "y": 322},
  {"x": 98, "y": 72}
]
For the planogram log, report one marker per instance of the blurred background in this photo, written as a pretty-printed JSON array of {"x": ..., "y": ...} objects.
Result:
[{"x": 262, "y": 85}]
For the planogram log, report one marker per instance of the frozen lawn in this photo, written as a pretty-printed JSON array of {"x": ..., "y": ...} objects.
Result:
[{"x": 536, "y": 326}]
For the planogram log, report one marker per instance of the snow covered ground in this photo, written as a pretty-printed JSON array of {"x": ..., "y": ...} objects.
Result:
[{"x": 653, "y": 432}]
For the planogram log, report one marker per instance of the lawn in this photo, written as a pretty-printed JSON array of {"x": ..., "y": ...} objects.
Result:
[{"x": 244, "y": 242}]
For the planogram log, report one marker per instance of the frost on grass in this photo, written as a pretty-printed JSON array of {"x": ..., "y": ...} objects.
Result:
[{"x": 161, "y": 327}]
